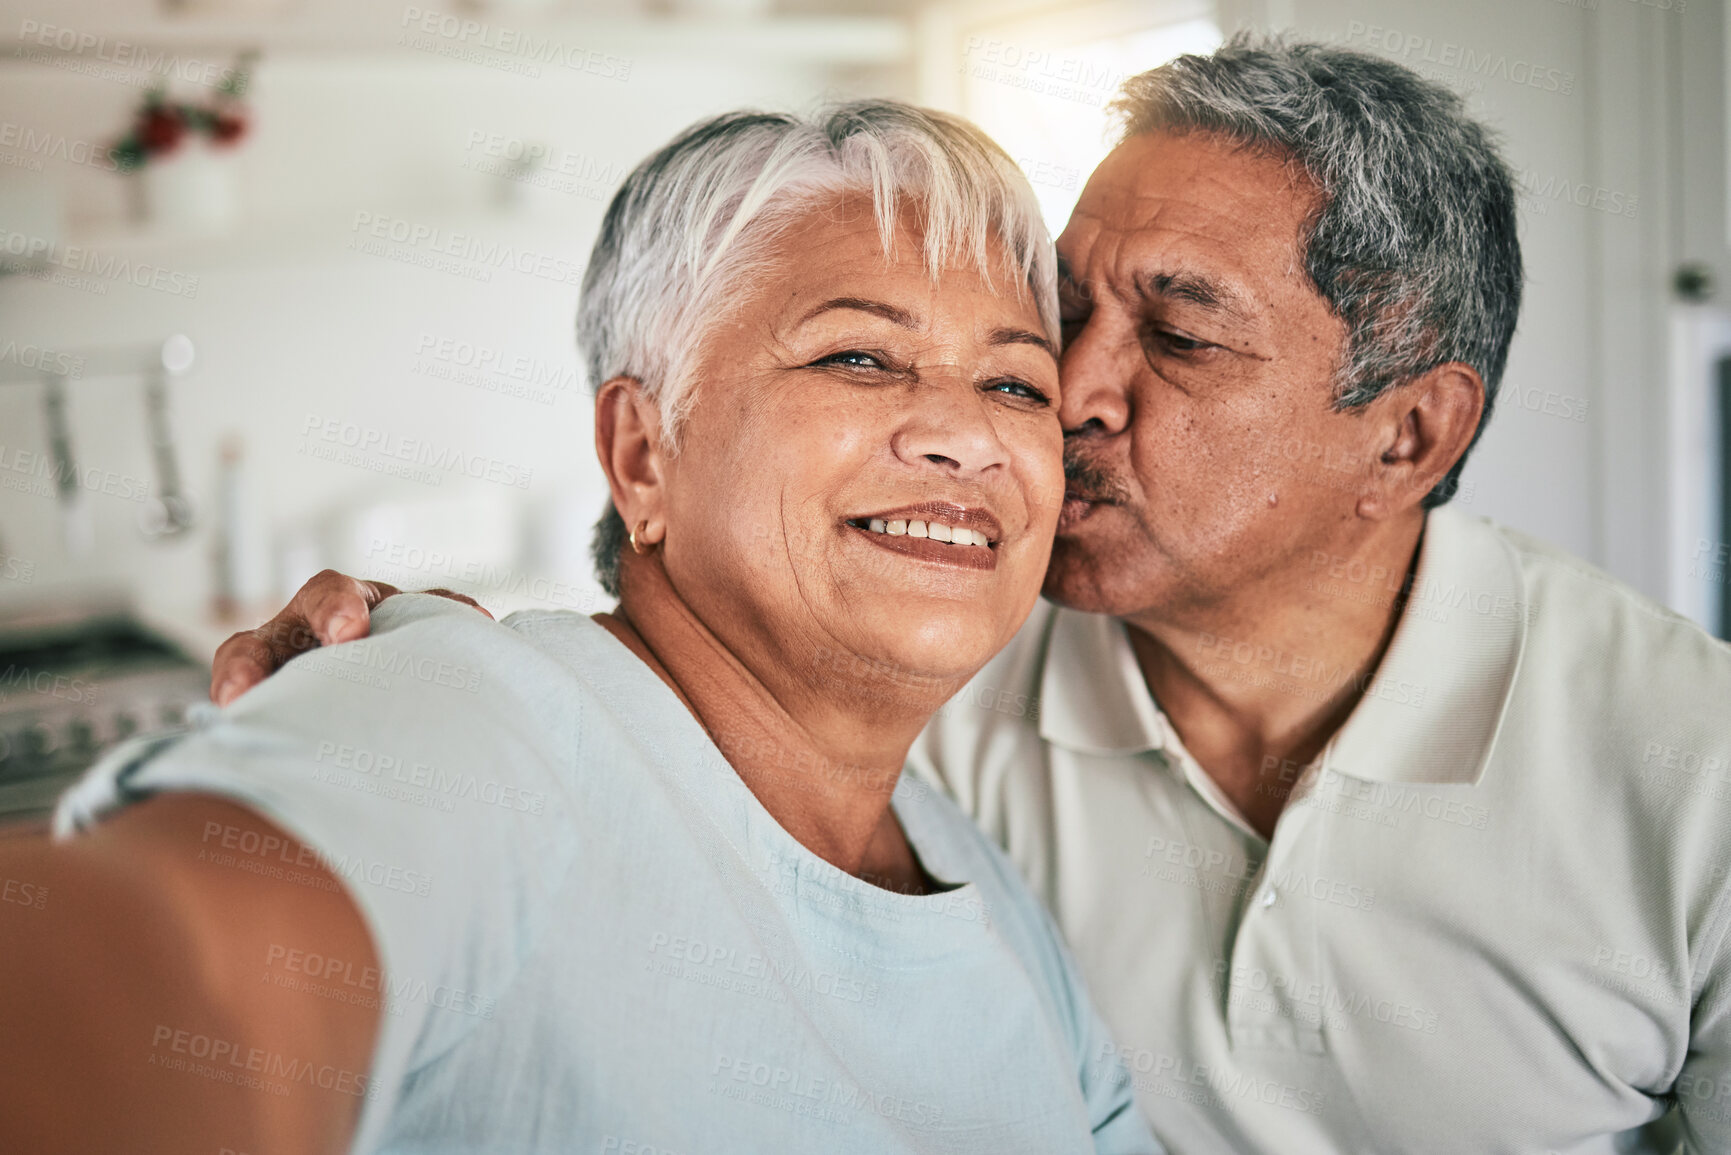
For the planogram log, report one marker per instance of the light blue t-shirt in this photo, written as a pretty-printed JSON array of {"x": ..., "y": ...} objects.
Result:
[{"x": 595, "y": 939}]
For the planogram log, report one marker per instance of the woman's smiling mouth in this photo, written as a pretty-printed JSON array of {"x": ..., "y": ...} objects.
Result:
[{"x": 938, "y": 532}]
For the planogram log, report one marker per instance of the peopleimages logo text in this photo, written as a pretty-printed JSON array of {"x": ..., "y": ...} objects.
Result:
[
  {"x": 124, "y": 54},
  {"x": 1415, "y": 48},
  {"x": 517, "y": 43},
  {"x": 379, "y": 445},
  {"x": 26, "y": 253},
  {"x": 465, "y": 247}
]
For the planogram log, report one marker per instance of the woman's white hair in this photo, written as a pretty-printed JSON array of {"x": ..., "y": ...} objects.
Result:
[{"x": 696, "y": 220}]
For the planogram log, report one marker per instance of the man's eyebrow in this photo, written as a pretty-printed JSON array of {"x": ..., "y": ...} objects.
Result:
[
  {"x": 888, "y": 312},
  {"x": 1011, "y": 336},
  {"x": 1199, "y": 290}
]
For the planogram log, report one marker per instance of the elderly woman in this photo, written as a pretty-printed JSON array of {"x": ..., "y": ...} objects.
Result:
[{"x": 643, "y": 882}]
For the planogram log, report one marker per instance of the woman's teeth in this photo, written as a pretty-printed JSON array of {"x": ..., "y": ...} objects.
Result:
[{"x": 936, "y": 530}]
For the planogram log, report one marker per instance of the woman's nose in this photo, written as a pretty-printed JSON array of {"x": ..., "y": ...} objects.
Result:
[{"x": 950, "y": 426}]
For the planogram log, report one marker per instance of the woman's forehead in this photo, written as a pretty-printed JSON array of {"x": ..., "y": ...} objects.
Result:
[{"x": 829, "y": 255}]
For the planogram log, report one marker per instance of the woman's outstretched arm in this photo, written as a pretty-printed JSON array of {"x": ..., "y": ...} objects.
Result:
[{"x": 147, "y": 1003}]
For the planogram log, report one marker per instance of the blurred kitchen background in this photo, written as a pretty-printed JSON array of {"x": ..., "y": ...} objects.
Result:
[{"x": 287, "y": 284}]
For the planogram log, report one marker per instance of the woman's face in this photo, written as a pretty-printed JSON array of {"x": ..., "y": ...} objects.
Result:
[{"x": 847, "y": 397}]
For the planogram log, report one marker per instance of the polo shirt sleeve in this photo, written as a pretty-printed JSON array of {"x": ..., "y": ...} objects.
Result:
[
  {"x": 1118, "y": 1124},
  {"x": 427, "y": 768},
  {"x": 1703, "y": 1087}
]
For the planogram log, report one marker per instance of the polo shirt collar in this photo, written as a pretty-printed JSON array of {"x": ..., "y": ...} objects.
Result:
[
  {"x": 1434, "y": 709},
  {"x": 1093, "y": 698},
  {"x": 1431, "y": 713}
]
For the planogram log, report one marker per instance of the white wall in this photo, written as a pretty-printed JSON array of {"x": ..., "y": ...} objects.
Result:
[{"x": 293, "y": 324}]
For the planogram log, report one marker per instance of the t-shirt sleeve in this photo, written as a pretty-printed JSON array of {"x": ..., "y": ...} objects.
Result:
[{"x": 428, "y": 768}]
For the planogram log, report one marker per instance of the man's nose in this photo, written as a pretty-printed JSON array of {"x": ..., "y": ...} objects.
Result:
[{"x": 1098, "y": 366}]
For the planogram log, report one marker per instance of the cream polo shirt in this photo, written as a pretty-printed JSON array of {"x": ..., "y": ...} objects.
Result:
[{"x": 1492, "y": 916}]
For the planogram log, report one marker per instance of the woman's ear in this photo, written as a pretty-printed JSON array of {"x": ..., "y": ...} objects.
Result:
[
  {"x": 1427, "y": 424},
  {"x": 628, "y": 442}
]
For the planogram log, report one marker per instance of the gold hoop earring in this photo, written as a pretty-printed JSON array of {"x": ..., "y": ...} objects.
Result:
[{"x": 638, "y": 547}]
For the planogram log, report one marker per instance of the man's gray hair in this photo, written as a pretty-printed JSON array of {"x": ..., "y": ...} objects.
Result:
[
  {"x": 1413, "y": 243},
  {"x": 684, "y": 235}
]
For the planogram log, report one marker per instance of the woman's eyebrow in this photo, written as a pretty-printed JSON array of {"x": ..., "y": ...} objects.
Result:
[
  {"x": 1005, "y": 335},
  {"x": 889, "y": 312},
  {"x": 1013, "y": 336}
]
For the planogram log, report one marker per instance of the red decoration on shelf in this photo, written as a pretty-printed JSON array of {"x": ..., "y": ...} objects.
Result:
[
  {"x": 160, "y": 124},
  {"x": 227, "y": 127},
  {"x": 160, "y": 130}
]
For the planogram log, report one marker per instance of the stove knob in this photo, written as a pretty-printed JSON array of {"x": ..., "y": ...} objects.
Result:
[
  {"x": 80, "y": 736},
  {"x": 40, "y": 740}
]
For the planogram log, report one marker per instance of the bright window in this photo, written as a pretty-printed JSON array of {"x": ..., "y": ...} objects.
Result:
[{"x": 1044, "y": 97}]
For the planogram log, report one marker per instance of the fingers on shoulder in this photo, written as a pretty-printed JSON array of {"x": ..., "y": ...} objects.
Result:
[
  {"x": 241, "y": 662},
  {"x": 337, "y": 607}
]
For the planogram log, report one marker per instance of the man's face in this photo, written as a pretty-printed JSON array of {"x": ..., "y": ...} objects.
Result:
[{"x": 1205, "y": 458}]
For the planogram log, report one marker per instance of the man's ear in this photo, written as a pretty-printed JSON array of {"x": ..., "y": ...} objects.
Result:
[
  {"x": 628, "y": 442},
  {"x": 1422, "y": 428}
]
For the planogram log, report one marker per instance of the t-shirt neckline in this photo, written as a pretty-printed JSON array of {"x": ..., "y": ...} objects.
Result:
[{"x": 758, "y": 829}]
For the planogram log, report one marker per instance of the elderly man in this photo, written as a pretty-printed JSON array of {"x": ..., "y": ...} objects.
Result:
[{"x": 1374, "y": 826}]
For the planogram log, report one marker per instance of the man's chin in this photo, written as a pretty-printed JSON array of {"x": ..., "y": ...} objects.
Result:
[
  {"x": 1094, "y": 570},
  {"x": 1079, "y": 577}
]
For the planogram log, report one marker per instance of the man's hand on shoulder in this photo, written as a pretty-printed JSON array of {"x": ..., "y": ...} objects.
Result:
[{"x": 330, "y": 609}]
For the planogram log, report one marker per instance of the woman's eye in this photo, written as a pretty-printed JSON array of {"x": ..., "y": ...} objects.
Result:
[
  {"x": 1019, "y": 389},
  {"x": 852, "y": 359}
]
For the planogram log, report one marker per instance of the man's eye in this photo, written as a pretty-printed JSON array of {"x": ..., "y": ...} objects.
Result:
[{"x": 1178, "y": 342}]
